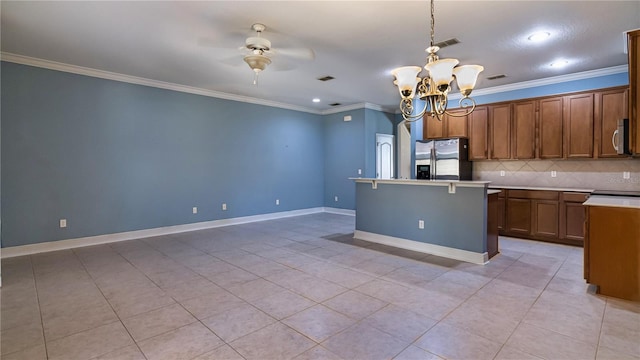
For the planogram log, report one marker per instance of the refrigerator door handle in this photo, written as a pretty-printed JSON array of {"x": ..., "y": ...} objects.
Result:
[{"x": 432, "y": 158}]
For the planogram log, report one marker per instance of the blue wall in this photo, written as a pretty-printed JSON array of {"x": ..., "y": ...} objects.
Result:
[
  {"x": 112, "y": 157},
  {"x": 349, "y": 146}
]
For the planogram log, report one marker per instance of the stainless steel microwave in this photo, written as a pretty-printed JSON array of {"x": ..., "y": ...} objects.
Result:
[{"x": 620, "y": 138}]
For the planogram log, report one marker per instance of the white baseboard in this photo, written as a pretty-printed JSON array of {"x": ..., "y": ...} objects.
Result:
[
  {"x": 30, "y": 249},
  {"x": 438, "y": 250},
  {"x": 339, "y": 211}
]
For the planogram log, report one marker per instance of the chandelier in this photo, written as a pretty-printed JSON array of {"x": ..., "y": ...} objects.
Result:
[{"x": 434, "y": 88}]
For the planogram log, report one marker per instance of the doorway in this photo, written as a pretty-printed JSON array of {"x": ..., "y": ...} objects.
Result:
[{"x": 384, "y": 156}]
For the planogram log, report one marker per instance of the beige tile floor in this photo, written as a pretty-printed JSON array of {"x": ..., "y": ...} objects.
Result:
[{"x": 302, "y": 288}]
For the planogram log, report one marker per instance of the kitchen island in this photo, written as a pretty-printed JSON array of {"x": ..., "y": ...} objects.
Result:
[
  {"x": 612, "y": 245},
  {"x": 440, "y": 217}
]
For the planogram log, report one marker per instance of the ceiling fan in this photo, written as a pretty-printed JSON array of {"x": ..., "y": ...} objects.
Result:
[{"x": 260, "y": 51}]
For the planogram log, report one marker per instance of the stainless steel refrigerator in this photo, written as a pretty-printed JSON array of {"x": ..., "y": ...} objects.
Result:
[{"x": 447, "y": 159}]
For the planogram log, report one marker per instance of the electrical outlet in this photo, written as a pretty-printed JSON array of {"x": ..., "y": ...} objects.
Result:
[
  {"x": 335, "y": 198},
  {"x": 420, "y": 224},
  {"x": 359, "y": 171},
  {"x": 277, "y": 201},
  {"x": 626, "y": 175},
  {"x": 554, "y": 173},
  {"x": 63, "y": 223},
  {"x": 224, "y": 206},
  {"x": 502, "y": 173},
  {"x": 194, "y": 210}
]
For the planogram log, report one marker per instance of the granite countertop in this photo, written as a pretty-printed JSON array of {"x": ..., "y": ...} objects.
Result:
[
  {"x": 613, "y": 201},
  {"x": 460, "y": 183},
  {"x": 540, "y": 188}
]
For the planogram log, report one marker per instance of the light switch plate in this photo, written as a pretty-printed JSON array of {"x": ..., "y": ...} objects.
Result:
[{"x": 502, "y": 173}]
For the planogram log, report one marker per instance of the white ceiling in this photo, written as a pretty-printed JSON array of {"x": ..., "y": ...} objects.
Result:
[{"x": 357, "y": 42}]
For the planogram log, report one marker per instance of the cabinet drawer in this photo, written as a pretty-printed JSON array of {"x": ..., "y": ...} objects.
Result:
[
  {"x": 574, "y": 197},
  {"x": 533, "y": 194}
]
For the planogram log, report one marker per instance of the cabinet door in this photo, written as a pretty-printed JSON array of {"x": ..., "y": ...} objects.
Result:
[
  {"x": 545, "y": 218},
  {"x": 524, "y": 130},
  {"x": 578, "y": 125},
  {"x": 456, "y": 126},
  {"x": 478, "y": 131},
  {"x": 432, "y": 128},
  {"x": 572, "y": 218},
  {"x": 634, "y": 90},
  {"x": 550, "y": 124},
  {"x": 492, "y": 225},
  {"x": 613, "y": 106},
  {"x": 502, "y": 202},
  {"x": 500, "y": 131},
  {"x": 518, "y": 216}
]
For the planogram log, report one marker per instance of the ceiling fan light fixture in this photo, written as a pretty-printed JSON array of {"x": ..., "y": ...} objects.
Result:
[
  {"x": 434, "y": 88},
  {"x": 257, "y": 62}
]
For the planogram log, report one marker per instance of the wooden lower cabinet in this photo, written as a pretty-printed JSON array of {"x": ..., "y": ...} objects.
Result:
[
  {"x": 502, "y": 203},
  {"x": 572, "y": 217},
  {"x": 545, "y": 215},
  {"x": 544, "y": 219},
  {"x": 492, "y": 224},
  {"x": 518, "y": 218},
  {"x": 611, "y": 251}
]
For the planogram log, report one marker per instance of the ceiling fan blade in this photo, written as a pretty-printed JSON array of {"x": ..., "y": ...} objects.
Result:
[{"x": 296, "y": 53}]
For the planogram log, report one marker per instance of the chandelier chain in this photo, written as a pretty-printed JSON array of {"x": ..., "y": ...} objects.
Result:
[{"x": 433, "y": 24}]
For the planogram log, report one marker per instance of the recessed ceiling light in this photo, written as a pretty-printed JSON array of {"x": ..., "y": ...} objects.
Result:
[
  {"x": 559, "y": 63},
  {"x": 316, "y": 100},
  {"x": 539, "y": 36}
]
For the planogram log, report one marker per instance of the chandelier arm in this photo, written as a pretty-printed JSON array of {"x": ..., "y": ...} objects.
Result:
[
  {"x": 469, "y": 111},
  {"x": 406, "y": 107}
]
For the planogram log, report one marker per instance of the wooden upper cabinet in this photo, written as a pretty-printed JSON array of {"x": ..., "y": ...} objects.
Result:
[
  {"x": 432, "y": 128},
  {"x": 610, "y": 107},
  {"x": 449, "y": 126},
  {"x": 456, "y": 124},
  {"x": 500, "y": 131},
  {"x": 578, "y": 125},
  {"x": 634, "y": 90},
  {"x": 478, "y": 133},
  {"x": 550, "y": 128},
  {"x": 524, "y": 129}
]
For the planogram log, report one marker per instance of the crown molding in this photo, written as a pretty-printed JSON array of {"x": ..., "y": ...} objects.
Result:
[
  {"x": 80, "y": 70},
  {"x": 546, "y": 81}
]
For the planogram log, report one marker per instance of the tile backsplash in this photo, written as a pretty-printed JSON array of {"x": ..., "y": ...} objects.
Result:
[{"x": 574, "y": 174}]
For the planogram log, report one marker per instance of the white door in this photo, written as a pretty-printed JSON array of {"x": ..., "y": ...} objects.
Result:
[{"x": 384, "y": 156}]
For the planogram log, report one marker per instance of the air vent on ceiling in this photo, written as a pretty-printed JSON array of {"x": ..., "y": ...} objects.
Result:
[
  {"x": 495, "y": 77},
  {"x": 449, "y": 42},
  {"x": 326, "y": 78},
  {"x": 335, "y": 104}
]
